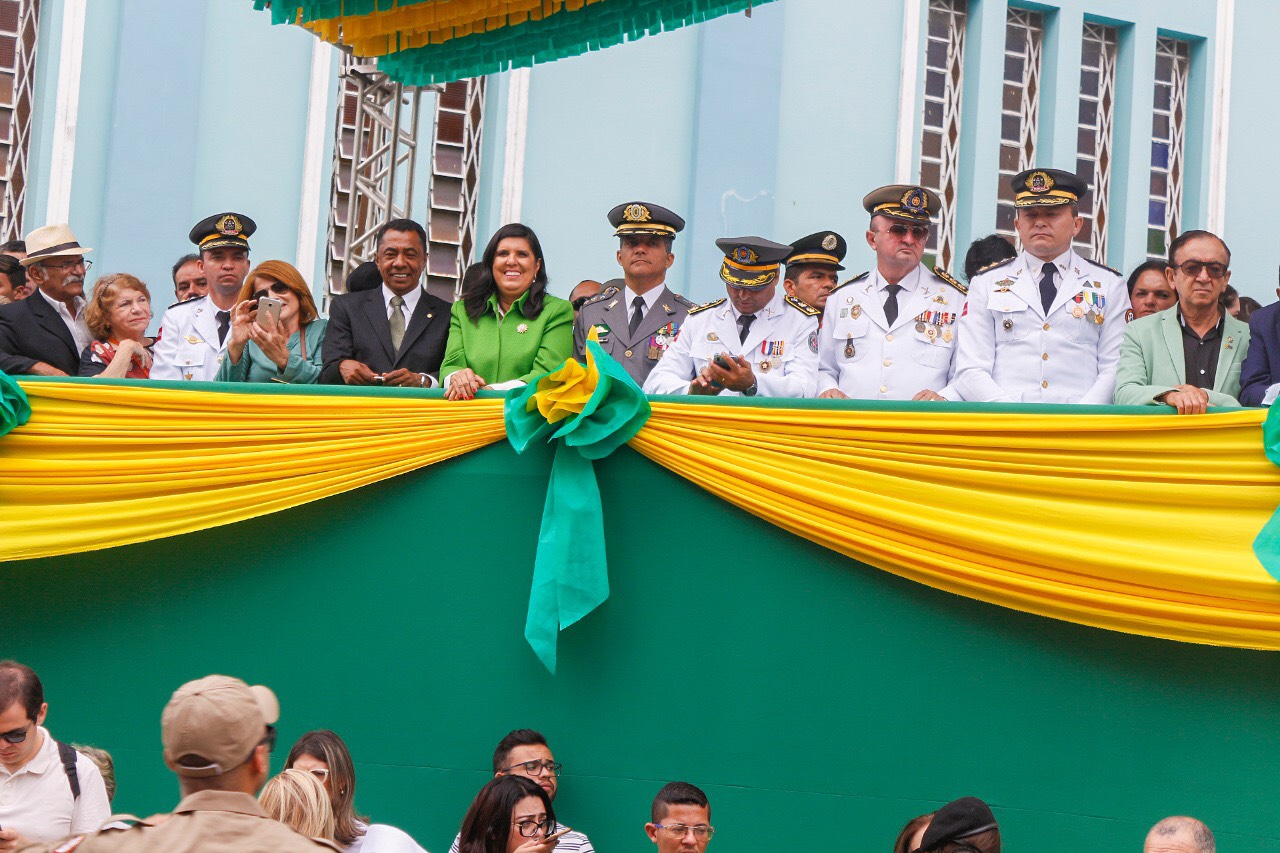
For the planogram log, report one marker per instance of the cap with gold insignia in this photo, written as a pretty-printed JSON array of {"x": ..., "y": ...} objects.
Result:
[
  {"x": 1045, "y": 187},
  {"x": 223, "y": 229},
  {"x": 825, "y": 247},
  {"x": 905, "y": 202},
  {"x": 642, "y": 217},
  {"x": 751, "y": 262}
]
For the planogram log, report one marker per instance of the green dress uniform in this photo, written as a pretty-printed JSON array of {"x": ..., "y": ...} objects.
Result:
[{"x": 511, "y": 347}]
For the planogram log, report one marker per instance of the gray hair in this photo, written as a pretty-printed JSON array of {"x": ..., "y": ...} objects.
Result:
[{"x": 1196, "y": 830}]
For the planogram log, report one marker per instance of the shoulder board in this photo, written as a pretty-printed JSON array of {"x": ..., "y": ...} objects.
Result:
[
  {"x": 122, "y": 821},
  {"x": 185, "y": 301},
  {"x": 687, "y": 303},
  {"x": 695, "y": 310},
  {"x": 951, "y": 280},
  {"x": 859, "y": 277},
  {"x": 604, "y": 294},
  {"x": 1104, "y": 266},
  {"x": 996, "y": 265},
  {"x": 803, "y": 307}
]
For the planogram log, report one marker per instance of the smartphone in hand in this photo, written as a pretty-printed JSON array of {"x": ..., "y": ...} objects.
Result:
[
  {"x": 723, "y": 362},
  {"x": 269, "y": 311}
]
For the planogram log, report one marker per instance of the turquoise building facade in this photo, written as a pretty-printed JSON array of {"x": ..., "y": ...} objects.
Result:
[{"x": 774, "y": 124}]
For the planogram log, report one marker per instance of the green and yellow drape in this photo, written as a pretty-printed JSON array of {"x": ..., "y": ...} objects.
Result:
[{"x": 1129, "y": 520}]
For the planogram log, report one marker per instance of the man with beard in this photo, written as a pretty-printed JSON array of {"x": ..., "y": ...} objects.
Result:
[
  {"x": 45, "y": 333},
  {"x": 193, "y": 334}
]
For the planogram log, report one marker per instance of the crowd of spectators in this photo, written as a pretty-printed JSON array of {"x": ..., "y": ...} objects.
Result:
[
  {"x": 218, "y": 733},
  {"x": 1040, "y": 324}
]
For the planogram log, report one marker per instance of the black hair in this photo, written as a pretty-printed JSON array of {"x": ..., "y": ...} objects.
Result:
[
  {"x": 17, "y": 275},
  {"x": 19, "y": 683},
  {"x": 14, "y": 246},
  {"x": 519, "y": 737},
  {"x": 182, "y": 262},
  {"x": 476, "y": 293},
  {"x": 1157, "y": 265},
  {"x": 678, "y": 794},
  {"x": 407, "y": 225},
  {"x": 487, "y": 825},
  {"x": 988, "y": 250},
  {"x": 1187, "y": 236}
]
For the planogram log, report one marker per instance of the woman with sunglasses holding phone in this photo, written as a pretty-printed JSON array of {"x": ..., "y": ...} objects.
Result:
[
  {"x": 324, "y": 755},
  {"x": 511, "y": 814},
  {"x": 264, "y": 348}
]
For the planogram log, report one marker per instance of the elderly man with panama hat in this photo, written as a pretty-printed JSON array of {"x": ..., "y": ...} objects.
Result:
[{"x": 45, "y": 333}]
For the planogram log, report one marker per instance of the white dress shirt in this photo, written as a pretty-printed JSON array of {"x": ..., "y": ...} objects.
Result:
[{"x": 76, "y": 325}]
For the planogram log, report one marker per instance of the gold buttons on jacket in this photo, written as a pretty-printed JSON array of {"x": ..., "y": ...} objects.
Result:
[
  {"x": 627, "y": 353},
  {"x": 1044, "y": 384}
]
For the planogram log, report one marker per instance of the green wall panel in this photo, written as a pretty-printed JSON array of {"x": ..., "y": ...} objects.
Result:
[{"x": 816, "y": 700}]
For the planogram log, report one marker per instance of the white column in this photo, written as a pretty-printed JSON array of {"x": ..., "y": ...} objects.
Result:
[
  {"x": 318, "y": 128},
  {"x": 1221, "y": 121},
  {"x": 902, "y": 170},
  {"x": 517, "y": 126},
  {"x": 62, "y": 151}
]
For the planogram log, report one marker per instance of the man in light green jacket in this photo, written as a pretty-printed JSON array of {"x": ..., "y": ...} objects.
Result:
[{"x": 1187, "y": 356}]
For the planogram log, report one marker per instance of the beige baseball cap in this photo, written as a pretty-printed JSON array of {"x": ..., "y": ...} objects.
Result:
[{"x": 212, "y": 725}]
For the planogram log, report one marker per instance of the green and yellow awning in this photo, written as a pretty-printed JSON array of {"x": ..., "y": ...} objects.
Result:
[{"x": 418, "y": 42}]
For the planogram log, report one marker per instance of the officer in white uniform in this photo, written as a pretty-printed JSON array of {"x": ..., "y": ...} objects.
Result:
[
  {"x": 1046, "y": 326},
  {"x": 890, "y": 334},
  {"x": 757, "y": 341},
  {"x": 194, "y": 333}
]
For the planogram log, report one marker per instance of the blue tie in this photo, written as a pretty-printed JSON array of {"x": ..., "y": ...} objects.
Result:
[{"x": 1047, "y": 290}]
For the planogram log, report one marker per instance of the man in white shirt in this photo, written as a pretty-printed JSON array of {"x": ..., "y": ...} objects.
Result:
[
  {"x": 38, "y": 800},
  {"x": 194, "y": 333},
  {"x": 757, "y": 341},
  {"x": 1046, "y": 326},
  {"x": 889, "y": 334}
]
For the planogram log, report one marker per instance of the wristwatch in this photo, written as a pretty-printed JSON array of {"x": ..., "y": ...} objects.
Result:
[{"x": 755, "y": 386}]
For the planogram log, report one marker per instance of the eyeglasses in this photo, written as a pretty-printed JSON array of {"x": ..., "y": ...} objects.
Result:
[
  {"x": 579, "y": 302},
  {"x": 277, "y": 287},
  {"x": 270, "y": 739},
  {"x": 17, "y": 735},
  {"x": 920, "y": 232},
  {"x": 1191, "y": 269},
  {"x": 69, "y": 265},
  {"x": 321, "y": 773},
  {"x": 529, "y": 828},
  {"x": 679, "y": 830},
  {"x": 534, "y": 768}
]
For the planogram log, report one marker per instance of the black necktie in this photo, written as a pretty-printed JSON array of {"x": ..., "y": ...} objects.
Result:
[
  {"x": 1047, "y": 290},
  {"x": 745, "y": 320},
  {"x": 224, "y": 323},
  {"x": 637, "y": 314},
  {"x": 891, "y": 303}
]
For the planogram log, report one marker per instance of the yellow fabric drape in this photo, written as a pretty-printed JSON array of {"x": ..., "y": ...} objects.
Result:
[
  {"x": 406, "y": 27},
  {"x": 1142, "y": 524},
  {"x": 1136, "y": 523},
  {"x": 101, "y": 465}
]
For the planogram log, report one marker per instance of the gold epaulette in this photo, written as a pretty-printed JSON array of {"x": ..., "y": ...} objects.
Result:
[
  {"x": 698, "y": 308},
  {"x": 803, "y": 307},
  {"x": 951, "y": 280}
]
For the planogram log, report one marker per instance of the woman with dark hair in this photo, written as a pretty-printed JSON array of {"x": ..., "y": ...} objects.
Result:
[
  {"x": 324, "y": 755},
  {"x": 506, "y": 328},
  {"x": 511, "y": 814}
]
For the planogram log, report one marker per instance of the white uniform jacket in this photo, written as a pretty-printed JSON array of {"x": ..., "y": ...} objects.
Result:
[
  {"x": 188, "y": 347},
  {"x": 1011, "y": 351},
  {"x": 868, "y": 358},
  {"x": 782, "y": 346}
]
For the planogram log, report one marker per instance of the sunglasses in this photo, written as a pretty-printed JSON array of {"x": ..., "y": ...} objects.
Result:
[
  {"x": 920, "y": 232},
  {"x": 579, "y": 302},
  {"x": 17, "y": 735},
  {"x": 277, "y": 287}
]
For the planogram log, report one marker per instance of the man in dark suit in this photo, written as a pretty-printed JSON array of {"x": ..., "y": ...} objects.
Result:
[
  {"x": 45, "y": 333},
  {"x": 395, "y": 334},
  {"x": 1260, "y": 375}
]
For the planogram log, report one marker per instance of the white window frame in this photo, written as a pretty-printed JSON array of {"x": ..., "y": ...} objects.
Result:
[
  {"x": 1020, "y": 107},
  {"x": 1168, "y": 144},
  {"x": 1095, "y": 135},
  {"x": 945, "y": 36}
]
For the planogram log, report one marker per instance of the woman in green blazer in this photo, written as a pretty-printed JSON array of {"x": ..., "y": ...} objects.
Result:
[{"x": 506, "y": 328}]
